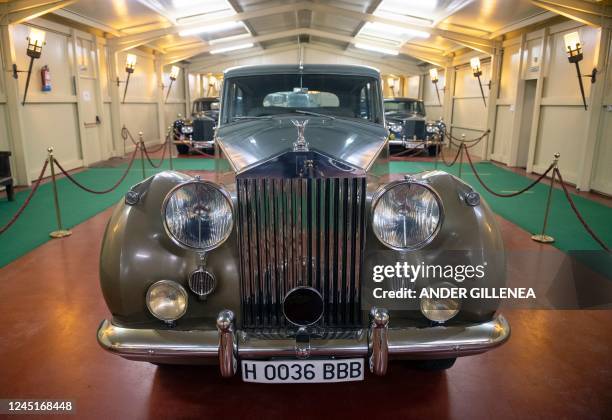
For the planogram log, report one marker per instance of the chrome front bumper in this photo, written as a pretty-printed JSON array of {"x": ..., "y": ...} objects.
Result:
[{"x": 379, "y": 343}]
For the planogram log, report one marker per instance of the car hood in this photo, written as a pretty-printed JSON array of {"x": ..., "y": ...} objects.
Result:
[{"x": 248, "y": 143}]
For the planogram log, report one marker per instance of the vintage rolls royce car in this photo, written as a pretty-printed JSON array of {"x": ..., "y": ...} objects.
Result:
[
  {"x": 409, "y": 128},
  {"x": 197, "y": 132},
  {"x": 269, "y": 270}
]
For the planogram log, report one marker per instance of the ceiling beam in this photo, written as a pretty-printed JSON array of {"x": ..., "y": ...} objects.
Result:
[
  {"x": 472, "y": 42},
  {"x": 130, "y": 41},
  {"x": 579, "y": 11},
  {"x": 24, "y": 10},
  {"x": 203, "y": 63},
  {"x": 431, "y": 57},
  {"x": 397, "y": 65},
  {"x": 597, "y": 9},
  {"x": 476, "y": 43},
  {"x": 436, "y": 60}
]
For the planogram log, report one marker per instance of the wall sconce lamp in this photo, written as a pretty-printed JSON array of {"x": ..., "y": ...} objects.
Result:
[
  {"x": 130, "y": 65},
  {"x": 36, "y": 40},
  {"x": 475, "y": 64},
  {"x": 174, "y": 72},
  {"x": 433, "y": 74},
  {"x": 574, "y": 55}
]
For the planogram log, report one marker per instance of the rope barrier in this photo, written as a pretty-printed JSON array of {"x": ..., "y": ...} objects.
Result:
[
  {"x": 475, "y": 139},
  {"x": 89, "y": 190},
  {"x": 27, "y": 200},
  {"x": 125, "y": 134},
  {"x": 164, "y": 146},
  {"x": 578, "y": 215},
  {"x": 454, "y": 159},
  {"x": 514, "y": 194}
]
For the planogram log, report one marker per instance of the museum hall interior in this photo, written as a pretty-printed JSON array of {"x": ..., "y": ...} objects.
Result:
[{"x": 306, "y": 208}]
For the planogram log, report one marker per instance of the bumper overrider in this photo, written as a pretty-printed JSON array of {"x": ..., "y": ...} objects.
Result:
[{"x": 379, "y": 343}]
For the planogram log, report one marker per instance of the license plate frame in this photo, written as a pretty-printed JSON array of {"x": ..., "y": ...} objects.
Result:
[{"x": 303, "y": 371}]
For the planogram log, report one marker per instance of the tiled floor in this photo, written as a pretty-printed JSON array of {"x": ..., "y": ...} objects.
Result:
[{"x": 556, "y": 365}]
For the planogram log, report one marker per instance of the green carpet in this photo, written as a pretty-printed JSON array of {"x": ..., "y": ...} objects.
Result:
[
  {"x": 526, "y": 210},
  {"x": 32, "y": 228}
]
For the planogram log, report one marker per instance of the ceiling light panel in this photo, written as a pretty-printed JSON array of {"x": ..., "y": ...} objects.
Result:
[
  {"x": 229, "y": 48},
  {"x": 391, "y": 32},
  {"x": 193, "y": 10}
]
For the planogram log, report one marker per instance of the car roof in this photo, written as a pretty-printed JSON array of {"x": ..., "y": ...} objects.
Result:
[{"x": 341, "y": 69}]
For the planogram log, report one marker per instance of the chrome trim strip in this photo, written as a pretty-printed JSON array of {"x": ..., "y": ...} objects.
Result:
[{"x": 405, "y": 342}]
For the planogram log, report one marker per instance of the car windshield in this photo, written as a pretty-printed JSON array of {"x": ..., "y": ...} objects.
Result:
[
  {"x": 404, "y": 107},
  {"x": 339, "y": 96},
  {"x": 202, "y": 106}
]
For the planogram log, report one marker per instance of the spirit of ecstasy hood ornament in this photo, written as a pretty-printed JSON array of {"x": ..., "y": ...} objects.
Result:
[{"x": 300, "y": 144}]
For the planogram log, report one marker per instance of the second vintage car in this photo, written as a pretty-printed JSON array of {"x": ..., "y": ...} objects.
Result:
[
  {"x": 273, "y": 269},
  {"x": 196, "y": 133},
  {"x": 409, "y": 128}
]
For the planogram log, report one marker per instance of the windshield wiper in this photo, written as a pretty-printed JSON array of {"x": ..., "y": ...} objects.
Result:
[{"x": 316, "y": 114}]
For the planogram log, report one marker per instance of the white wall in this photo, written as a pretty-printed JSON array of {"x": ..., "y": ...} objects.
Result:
[
  {"x": 560, "y": 123},
  {"x": 80, "y": 62},
  {"x": 432, "y": 106}
]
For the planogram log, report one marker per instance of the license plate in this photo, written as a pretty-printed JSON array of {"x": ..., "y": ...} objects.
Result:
[{"x": 302, "y": 371}]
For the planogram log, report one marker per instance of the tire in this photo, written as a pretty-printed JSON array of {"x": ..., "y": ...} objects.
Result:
[
  {"x": 434, "y": 364},
  {"x": 431, "y": 151},
  {"x": 182, "y": 149}
]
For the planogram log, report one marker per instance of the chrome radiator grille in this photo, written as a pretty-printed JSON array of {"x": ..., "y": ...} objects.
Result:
[{"x": 300, "y": 232}]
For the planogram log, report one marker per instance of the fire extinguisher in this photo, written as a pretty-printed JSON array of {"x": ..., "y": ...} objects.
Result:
[{"x": 45, "y": 75}]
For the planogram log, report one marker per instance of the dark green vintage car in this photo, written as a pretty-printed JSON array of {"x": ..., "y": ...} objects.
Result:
[{"x": 274, "y": 269}]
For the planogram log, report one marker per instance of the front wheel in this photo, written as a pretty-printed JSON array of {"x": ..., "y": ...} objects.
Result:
[
  {"x": 182, "y": 149},
  {"x": 432, "y": 150},
  {"x": 433, "y": 364}
]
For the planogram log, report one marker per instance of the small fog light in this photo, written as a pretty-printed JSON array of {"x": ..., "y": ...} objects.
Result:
[
  {"x": 440, "y": 310},
  {"x": 167, "y": 300}
]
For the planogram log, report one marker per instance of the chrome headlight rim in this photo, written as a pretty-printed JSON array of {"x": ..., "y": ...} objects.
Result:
[
  {"x": 388, "y": 187},
  {"x": 170, "y": 283},
  {"x": 179, "y": 243},
  {"x": 441, "y": 320}
]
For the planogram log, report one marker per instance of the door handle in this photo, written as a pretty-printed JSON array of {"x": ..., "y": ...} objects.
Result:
[{"x": 93, "y": 124}]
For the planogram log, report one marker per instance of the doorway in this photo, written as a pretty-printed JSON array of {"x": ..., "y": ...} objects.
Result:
[{"x": 526, "y": 121}]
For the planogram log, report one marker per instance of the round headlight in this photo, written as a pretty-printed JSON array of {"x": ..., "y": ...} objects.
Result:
[
  {"x": 198, "y": 215},
  {"x": 440, "y": 310},
  {"x": 395, "y": 127},
  {"x": 167, "y": 300},
  {"x": 406, "y": 215}
]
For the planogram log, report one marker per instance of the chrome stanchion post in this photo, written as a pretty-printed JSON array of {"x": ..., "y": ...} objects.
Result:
[
  {"x": 170, "y": 143},
  {"x": 461, "y": 154},
  {"x": 543, "y": 237},
  {"x": 142, "y": 148},
  {"x": 437, "y": 151},
  {"x": 124, "y": 139},
  {"x": 60, "y": 232}
]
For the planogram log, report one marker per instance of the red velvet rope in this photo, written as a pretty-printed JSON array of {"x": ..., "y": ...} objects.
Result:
[{"x": 27, "y": 200}]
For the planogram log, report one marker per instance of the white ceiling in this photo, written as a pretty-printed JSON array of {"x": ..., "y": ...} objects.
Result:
[{"x": 421, "y": 29}]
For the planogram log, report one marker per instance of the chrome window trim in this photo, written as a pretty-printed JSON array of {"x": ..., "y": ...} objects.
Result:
[
  {"x": 181, "y": 185},
  {"x": 388, "y": 187}
]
